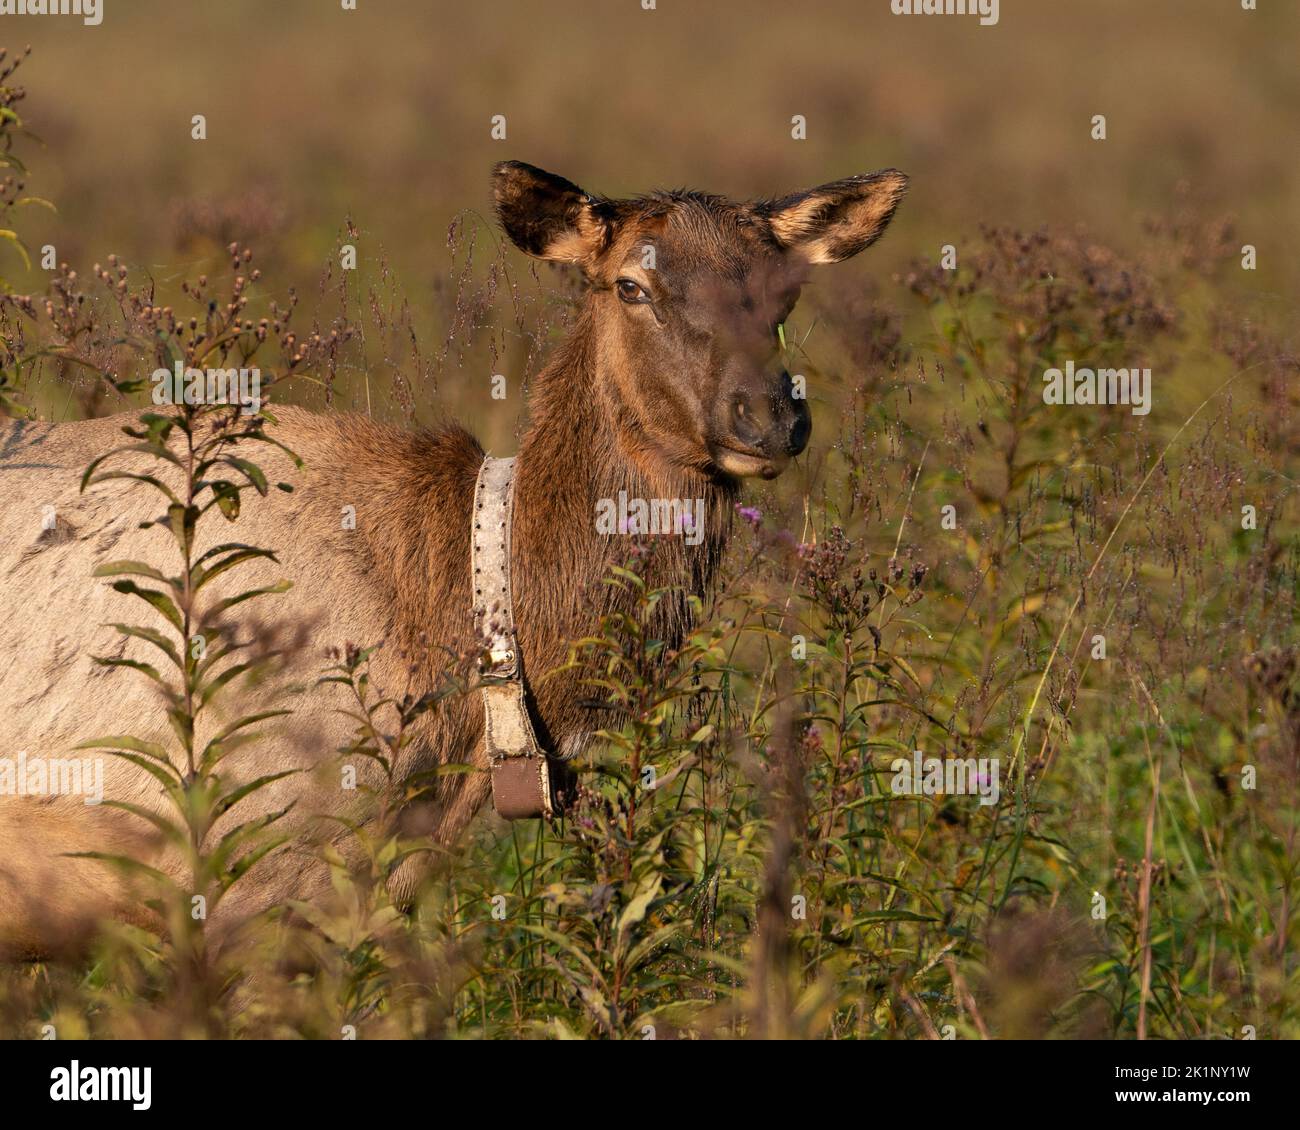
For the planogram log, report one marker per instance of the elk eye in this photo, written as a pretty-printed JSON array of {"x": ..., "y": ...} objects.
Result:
[{"x": 630, "y": 291}]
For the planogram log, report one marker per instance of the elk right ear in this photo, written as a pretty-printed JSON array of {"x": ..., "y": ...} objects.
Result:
[{"x": 548, "y": 216}]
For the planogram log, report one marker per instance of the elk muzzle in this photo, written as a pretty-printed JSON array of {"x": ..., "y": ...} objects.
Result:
[{"x": 762, "y": 425}]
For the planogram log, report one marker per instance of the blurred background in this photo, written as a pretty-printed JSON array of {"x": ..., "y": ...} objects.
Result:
[{"x": 383, "y": 114}]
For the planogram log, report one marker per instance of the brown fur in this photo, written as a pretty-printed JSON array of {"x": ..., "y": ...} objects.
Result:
[{"x": 641, "y": 398}]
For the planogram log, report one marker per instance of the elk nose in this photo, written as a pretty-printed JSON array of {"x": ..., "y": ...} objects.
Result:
[
  {"x": 774, "y": 421},
  {"x": 746, "y": 420},
  {"x": 802, "y": 428}
]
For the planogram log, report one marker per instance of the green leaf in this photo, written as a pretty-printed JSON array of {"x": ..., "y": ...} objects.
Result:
[
  {"x": 38, "y": 201},
  {"x": 168, "y": 778},
  {"x": 159, "y": 601},
  {"x": 230, "y": 602},
  {"x": 240, "y": 723},
  {"x": 182, "y": 520},
  {"x": 226, "y": 496},
  {"x": 245, "y": 863},
  {"x": 227, "y": 802},
  {"x": 135, "y": 665},
  {"x": 154, "y": 637},
  {"x": 635, "y": 910},
  {"x": 201, "y": 576},
  {"x": 107, "y": 476},
  {"x": 213, "y": 686},
  {"x": 251, "y": 471},
  {"x": 126, "y": 741},
  {"x": 128, "y": 568},
  {"x": 176, "y": 834},
  {"x": 12, "y": 237}
]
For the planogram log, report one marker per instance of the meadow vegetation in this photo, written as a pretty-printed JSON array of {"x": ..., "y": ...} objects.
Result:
[{"x": 934, "y": 574}]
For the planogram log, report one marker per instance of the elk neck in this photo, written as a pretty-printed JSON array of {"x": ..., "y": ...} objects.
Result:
[{"x": 580, "y": 449}]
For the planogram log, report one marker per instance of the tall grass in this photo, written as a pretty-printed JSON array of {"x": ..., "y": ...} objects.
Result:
[{"x": 935, "y": 575}]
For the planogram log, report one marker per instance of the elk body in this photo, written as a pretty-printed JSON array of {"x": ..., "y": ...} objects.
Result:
[{"x": 670, "y": 386}]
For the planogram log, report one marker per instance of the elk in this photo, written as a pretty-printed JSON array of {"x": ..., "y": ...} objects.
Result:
[{"x": 669, "y": 385}]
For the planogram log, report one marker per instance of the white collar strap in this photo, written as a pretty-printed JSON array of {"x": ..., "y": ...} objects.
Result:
[{"x": 521, "y": 779}]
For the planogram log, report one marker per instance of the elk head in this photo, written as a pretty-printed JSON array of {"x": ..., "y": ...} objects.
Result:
[{"x": 687, "y": 294}]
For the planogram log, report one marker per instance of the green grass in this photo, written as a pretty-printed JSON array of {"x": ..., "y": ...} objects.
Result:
[{"x": 1128, "y": 883}]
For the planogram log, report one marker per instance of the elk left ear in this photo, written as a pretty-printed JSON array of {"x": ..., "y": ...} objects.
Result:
[{"x": 836, "y": 220}]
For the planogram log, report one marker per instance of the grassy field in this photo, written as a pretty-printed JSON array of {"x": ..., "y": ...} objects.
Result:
[{"x": 1100, "y": 603}]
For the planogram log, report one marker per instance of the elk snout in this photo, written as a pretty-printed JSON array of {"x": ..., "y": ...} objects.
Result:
[{"x": 765, "y": 425}]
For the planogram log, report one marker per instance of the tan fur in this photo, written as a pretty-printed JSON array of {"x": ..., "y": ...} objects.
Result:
[
  {"x": 832, "y": 222},
  {"x": 400, "y": 578},
  {"x": 627, "y": 403}
]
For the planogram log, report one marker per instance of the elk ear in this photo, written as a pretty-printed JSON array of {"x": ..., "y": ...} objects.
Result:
[
  {"x": 837, "y": 220},
  {"x": 549, "y": 217}
]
